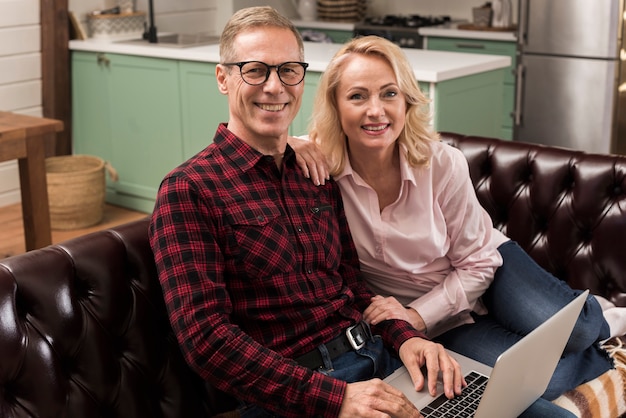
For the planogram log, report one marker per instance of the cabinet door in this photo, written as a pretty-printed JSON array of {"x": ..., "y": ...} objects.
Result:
[
  {"x": 470, "y": 105},
  {"x": 300, "y": 125},
  {"x": 91, "y": 119},
  {"x": 487, "y": 47},
  {"x": 146, "y": 133},
  {"x": 91, "y": 127},
  {"x": 203, "y": 107}
]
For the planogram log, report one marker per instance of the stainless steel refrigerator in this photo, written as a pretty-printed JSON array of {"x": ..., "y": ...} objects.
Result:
[{"x": 571, "y": 75}]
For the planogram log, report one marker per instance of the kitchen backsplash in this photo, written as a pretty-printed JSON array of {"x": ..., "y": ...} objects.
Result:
[
  {"x": 210, "y": 15},
  {"x": 170, "y": 16},
  {"x": 457, "y": 9}
]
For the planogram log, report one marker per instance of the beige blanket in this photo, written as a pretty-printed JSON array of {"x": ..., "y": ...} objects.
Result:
[{"x": 603, "y": 397}]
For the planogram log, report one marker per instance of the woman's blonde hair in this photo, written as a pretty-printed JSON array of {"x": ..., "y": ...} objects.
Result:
[
  {"x": 251, "y": 18},
  {"x": 326, "y": 127}
]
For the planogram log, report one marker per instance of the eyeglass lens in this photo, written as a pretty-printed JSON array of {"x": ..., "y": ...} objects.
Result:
[{"x": 257, "y": 72}]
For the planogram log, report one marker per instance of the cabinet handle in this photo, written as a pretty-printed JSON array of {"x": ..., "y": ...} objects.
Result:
[
  {"x": 470, "y": 46},
  {"x": 518, "y": 95},
  {"x": 103, "y": 59}
]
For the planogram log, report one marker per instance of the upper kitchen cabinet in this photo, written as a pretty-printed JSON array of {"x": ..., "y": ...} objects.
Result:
[{"x": 489, "y": 47}]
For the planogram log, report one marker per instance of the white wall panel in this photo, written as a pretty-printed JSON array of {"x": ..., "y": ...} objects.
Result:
[
  {"x": 20, "y": 40},
  {"x": 19, "y": 12},
  {"x": 20, "y": 95},
  {"x": 16, "y": 68},
  {"x": 10, "y": 197},
  {"x": 20, "y": 75},
  {"x": 8, "y": 176}
]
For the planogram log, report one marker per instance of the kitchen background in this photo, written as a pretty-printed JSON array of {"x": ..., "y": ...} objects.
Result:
[
  {"x": 210, "y": 15},
  {"x": 20, "y": 44}
]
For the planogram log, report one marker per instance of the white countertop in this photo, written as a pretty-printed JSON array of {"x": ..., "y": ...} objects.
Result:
[
  {"x": 453, "y": 32},
  {"x": 429, "y": 66},
  {"x": 320, "y": 24}
]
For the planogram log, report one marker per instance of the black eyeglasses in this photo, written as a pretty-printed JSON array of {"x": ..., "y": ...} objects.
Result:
[{"x": 256, "y": 73}]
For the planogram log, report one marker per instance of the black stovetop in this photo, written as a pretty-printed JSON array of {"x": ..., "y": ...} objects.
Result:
[{"x": 405, "y": 21}]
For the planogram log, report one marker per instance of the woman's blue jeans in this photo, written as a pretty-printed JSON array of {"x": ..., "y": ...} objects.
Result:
[{"x": 522, "y": 296}]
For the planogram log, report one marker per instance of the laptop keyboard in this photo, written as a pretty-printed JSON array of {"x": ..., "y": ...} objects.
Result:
[{"x": 463, "y": 405}]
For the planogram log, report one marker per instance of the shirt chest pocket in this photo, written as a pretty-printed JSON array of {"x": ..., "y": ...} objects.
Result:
[{"x": 261, "y": 243}]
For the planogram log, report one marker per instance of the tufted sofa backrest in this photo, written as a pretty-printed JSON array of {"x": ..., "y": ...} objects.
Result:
[
  {"x": 566, "y": 208},
  {"x": 83, "y": 326},
  {"x": 84, "y": 333}
]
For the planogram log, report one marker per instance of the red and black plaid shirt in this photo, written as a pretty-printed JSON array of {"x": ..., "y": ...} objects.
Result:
[{"x": 258, "y": 266}]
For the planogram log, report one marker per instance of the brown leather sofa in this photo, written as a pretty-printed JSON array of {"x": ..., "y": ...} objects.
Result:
[
  {"x": 567, "y": 209},
  {"x": 84, "y": 331}
]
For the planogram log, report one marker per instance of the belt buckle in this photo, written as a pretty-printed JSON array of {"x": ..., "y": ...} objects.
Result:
[{"x": 357, "y": 339}]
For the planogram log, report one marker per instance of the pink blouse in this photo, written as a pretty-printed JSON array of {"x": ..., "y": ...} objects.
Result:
[{"x": 435, "y": 247}]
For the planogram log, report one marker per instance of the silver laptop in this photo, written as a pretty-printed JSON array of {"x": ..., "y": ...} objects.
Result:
[{"x": 519, "y": 377}]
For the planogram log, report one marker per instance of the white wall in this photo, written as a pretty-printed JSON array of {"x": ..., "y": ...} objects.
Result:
[
  {"x": 183, "y": 16},
  {"x": 20, "y": 76}
]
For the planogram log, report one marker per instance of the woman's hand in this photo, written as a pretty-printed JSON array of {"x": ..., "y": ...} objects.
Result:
[
  {"x": 310, "y": 159},
  {"x": 384, "y": 308}
]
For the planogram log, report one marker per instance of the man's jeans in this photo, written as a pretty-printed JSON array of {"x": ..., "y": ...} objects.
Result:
[{"x": 374, "y": 360}]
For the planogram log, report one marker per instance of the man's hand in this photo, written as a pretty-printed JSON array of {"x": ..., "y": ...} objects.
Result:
[
  {"x": 375, "y": 398},
  {"x": 310, "y": 159},
  {"x": 417, "y": 352}
]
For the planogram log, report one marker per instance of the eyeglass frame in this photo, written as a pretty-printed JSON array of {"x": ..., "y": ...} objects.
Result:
[{"x": 240, "y": 64}]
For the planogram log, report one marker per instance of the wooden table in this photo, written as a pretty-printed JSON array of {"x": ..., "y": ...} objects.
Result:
[{"x": 30, "y": 140}]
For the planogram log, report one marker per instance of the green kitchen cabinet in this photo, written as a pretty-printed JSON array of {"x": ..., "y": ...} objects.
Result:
[
  {"x": 487, "y": 47},
  {"x": 470, "y": 105},
  {"x": 91, "y": 110},
  {"x": 203, "y": 107},
  {"x": 300, "y": 125},
  {"x": 126, "y": 110},
  {"x": 147, "y": 115}
]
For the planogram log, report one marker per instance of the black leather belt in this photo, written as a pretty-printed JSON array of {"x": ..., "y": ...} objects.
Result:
[{"x": 353, "y": 338}]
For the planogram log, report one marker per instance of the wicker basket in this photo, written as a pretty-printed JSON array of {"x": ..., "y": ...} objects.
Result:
[
  {"x": 341, "y": 10},
  {"x": 76, "y": 191}
]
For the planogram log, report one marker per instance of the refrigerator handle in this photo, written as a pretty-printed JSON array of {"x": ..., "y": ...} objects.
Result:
[
  {"x": 523, "y": 22},
  {"x": 518, "y": 94}
]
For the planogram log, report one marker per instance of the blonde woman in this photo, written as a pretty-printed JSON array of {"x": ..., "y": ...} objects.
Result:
[{"x": 425, "y": 244}]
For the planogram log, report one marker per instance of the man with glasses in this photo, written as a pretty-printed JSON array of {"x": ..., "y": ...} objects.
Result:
[{"x": 258, "y": 268}]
